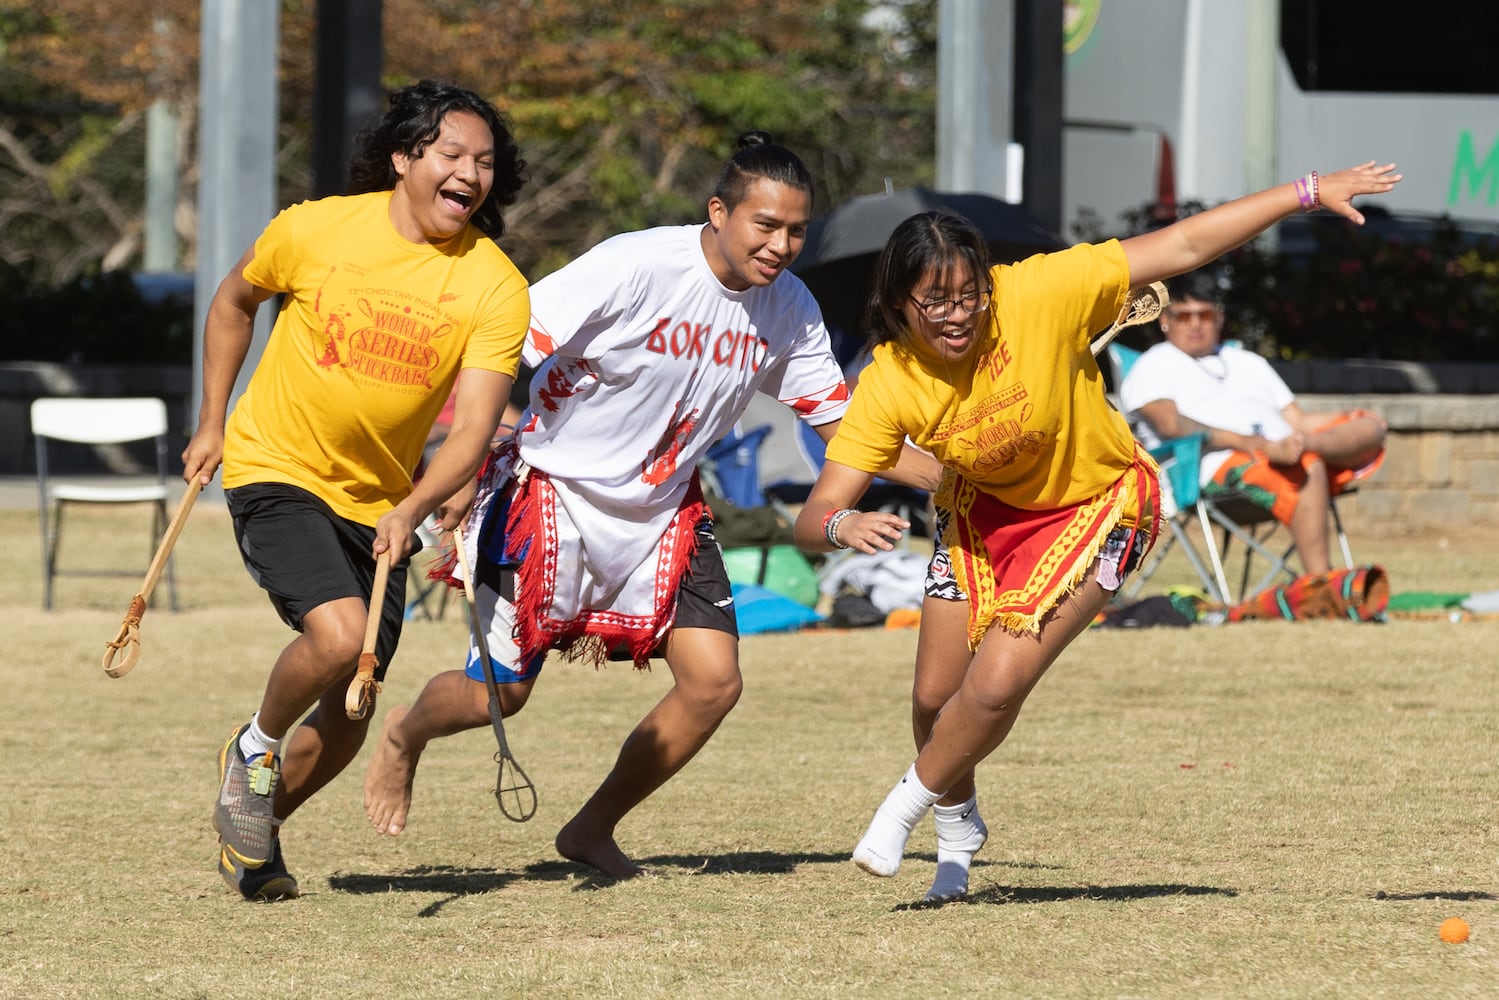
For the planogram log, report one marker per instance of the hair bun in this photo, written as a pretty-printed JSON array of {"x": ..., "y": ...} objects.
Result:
[{"x": 749, "y": 140}]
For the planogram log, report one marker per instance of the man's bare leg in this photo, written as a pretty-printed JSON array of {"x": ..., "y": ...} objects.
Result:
[
  {"x": 1309, "y": 520},
  {"x": 312, "y": 664},
  {"x": 705, "y": 667},
  {"x": 451, "y": 702},
  {"x": 1349, "y": 445},
  {"x": 318, "y": 750},
  {"x": 314, "y": 667}
]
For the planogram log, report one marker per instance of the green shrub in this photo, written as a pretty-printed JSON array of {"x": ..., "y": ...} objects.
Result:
[
  {"x": 98, "y": 318},
  {"x": 1399, "y": 288}
]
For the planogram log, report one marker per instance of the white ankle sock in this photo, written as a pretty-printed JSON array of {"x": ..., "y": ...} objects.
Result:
[
  {"x": 960, "y": 834},
  {"x": 880, "y": 850},
  {"x": 253, "y": 742}
]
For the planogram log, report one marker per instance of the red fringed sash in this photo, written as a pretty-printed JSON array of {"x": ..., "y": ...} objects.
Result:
[
  {"x": 494, "y": 478},
  {"x": 593, "y": 632}
]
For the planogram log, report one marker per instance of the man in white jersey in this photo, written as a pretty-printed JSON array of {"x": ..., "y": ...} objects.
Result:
[{"x": 649, "y": 348}]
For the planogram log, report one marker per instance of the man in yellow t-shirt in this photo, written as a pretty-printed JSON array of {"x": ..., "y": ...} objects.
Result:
[{"x": 387, "y": 294}]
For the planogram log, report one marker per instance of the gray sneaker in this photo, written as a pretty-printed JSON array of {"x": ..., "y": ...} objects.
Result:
[
  {"x": 266, "y": 884},
  {"x": 247, "y": 794}
]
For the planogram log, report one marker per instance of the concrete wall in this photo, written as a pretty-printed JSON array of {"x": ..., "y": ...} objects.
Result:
[{"x": 23, "y": 381}]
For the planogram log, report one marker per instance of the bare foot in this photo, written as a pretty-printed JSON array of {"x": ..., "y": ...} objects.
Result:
[
  {"x": 387, "y": 782},
  {"x": 597, "y": 849}
]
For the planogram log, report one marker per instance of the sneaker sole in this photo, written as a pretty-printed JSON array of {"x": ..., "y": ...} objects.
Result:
[
  {"x": 277, "y": 887},
  {"x": 223, "y": 824}
]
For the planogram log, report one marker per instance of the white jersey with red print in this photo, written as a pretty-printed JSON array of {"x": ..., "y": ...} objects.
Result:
[{"x": 644, "y": 359}]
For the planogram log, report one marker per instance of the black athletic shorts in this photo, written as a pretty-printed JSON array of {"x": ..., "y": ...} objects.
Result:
[
  {"x": 304, "y": 555},
  {"x": 705, "y": 598}
]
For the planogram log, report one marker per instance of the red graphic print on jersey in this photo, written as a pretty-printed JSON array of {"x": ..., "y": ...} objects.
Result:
[
  {"x": 564, "y": 380},
  {"x": 663, "y": 461}
]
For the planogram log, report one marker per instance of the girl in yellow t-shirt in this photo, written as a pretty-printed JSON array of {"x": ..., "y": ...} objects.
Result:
[{"x": 1045, "y": 503}]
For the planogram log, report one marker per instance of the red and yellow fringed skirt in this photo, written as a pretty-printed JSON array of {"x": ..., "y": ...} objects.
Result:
[{"x": 1015, "y": 565}]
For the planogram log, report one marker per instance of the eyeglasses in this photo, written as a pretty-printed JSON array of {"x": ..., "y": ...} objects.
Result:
[{"x": 937, "y": 310}]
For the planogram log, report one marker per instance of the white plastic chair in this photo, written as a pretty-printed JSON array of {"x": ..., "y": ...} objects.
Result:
[{"x": 101, "y": 423}]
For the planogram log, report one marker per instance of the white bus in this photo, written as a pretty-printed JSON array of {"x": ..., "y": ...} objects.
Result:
[{"x": 1205, "y": 100}]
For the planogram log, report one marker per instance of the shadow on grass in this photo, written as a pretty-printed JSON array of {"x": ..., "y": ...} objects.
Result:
[
  {"x": 1456, "y": 896},
  {"x": 996, "y": 894},
  {"x": 453, "y": 883},
  {"x": 456, "y": 883}
]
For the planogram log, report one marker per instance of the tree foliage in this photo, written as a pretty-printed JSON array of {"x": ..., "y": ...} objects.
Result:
[
  {"x": 625, "y": 110},
  {"x": 628, "y": 109}
]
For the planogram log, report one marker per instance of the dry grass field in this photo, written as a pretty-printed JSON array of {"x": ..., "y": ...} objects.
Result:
[{"x": 1254, "y": 810}]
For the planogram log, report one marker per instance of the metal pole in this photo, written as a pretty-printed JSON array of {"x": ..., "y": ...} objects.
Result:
[
  {"x": 1261, "y": 96},
  {"x": 1038, "y": 106},
  {"x": 348, "y": 92},
  {"x": 237, "y": 156},
  {"x": 975, "y": 43},
  {"x": 161, "y": 176},
  {"x": 161, "y": 187}
]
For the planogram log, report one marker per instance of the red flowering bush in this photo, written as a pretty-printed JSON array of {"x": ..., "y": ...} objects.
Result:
[
  {"x": 1399, "y": 288},
  {"x": 1395, "y": 289}
]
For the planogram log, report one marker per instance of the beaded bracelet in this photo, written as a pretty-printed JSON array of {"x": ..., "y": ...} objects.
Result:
[
  {"x": 830, "y": 523},
  {"x": 1307, "y": 192}
]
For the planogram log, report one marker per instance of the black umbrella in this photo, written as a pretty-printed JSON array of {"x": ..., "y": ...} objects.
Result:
[{"x": 837, "y": 261}]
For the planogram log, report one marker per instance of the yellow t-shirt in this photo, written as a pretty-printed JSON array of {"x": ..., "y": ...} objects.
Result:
[
  {"x": 1023, "y": 416},
  {"x": 371, "y": 335}
]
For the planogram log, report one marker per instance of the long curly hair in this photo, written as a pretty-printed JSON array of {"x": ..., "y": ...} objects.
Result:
[{"x": 410, "y": 126}]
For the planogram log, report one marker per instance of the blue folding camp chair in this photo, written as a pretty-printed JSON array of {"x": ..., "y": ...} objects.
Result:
[{"x": 732, "y": 467}]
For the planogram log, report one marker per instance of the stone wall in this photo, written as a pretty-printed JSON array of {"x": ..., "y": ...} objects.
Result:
[{"x": 1441, "y": 462}]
